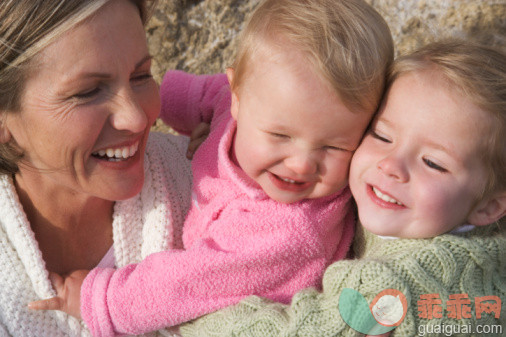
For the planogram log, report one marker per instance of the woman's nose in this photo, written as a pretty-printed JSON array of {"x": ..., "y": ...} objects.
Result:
[
  {"x": 302, "y": 163},
  {"x": 127, "y": 113},
  {"x": 394, "y": 167}
]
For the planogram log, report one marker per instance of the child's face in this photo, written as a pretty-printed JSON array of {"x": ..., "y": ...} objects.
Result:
[
  {"x": 417, "y": 173},
  {"x": 295, "y": 137}
]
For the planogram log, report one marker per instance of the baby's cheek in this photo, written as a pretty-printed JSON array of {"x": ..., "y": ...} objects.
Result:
[{"x": 338, "y": 172}]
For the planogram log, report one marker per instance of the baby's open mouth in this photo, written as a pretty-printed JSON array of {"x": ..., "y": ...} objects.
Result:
[{"x": 291, "y": 181}]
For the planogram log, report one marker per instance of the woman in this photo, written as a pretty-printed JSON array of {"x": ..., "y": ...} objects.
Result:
[{"x": 80, "y": 183}]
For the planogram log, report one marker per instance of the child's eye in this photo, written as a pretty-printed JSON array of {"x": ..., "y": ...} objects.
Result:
[
  {"x": 434, "y": 166},
  {"x": 278, "y": 135},
  {"x": 380, "y": 137}
]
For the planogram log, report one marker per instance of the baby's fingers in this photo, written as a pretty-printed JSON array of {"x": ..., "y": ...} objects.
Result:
[
  {"x": 54, "y": 303},
  {"x": 197, "y": 137},
  {"x": 57, "y": 281}
]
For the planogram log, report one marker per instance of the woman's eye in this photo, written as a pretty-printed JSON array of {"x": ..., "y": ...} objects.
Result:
[
  {"x": 434, "y": 166},
  {"x": 142, "y": 77},
  {"x": 88, "y": 94},
  {"x": 380, "y": 137}
]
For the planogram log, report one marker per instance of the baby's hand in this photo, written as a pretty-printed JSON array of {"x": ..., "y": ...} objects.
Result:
[
  {"x": 68, "y": 293},
  {"x": 197, "y": 137}
]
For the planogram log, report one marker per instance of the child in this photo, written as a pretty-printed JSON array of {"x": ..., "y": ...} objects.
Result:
[
  {"x": 430, "y": 171},
  {"x": 271, "y": 208}
]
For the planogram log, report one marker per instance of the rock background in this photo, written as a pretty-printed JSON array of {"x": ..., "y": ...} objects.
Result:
[{"x": 200, "y": 36}]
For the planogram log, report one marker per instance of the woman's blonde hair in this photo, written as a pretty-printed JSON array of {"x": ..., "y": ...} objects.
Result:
[
  {"x": 346, "y": 41},
  {"x": 26, "y": 28},
  {"x": 478, "y": 73}
]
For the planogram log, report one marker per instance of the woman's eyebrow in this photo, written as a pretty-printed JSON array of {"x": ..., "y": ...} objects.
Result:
[
  {"x": 105, "y": 76},
  {"x": 143, "y": 60}
]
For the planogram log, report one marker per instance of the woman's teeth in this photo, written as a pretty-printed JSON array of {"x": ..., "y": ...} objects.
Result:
[
  {"x": 117, "y": 154},
  {"x": 385, "y": 197}
]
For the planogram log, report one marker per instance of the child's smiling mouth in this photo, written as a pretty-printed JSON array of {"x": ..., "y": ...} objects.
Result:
[{"x": 383, "y": 199}]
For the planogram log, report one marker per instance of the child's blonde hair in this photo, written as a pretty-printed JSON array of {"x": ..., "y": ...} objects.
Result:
[
  {"x": 478, "y": 72},
  {"x": 346, "y": 41}
]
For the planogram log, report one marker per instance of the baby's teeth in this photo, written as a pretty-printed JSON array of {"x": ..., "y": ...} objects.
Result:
[{"x": 288, "y": 180}]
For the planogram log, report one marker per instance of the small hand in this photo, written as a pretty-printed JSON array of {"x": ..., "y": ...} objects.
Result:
[
  {"x": 197, "y": 137},
  {"x": 68, "y": 293}
]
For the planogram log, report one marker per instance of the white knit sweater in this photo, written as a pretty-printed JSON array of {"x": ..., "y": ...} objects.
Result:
[{"x": 147, "y": 223}]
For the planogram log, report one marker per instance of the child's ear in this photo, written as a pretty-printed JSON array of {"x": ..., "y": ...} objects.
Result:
[
  {"x": 234, "y": 106},
  {"x": 489, "y": 210},
  {"x": 5, "y": 134}
]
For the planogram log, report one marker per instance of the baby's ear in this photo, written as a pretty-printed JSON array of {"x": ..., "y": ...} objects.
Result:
[
  {"x": 234, "y": 107},
  {"x": 5, "y": 134},
  {"x": 489, "y": 210}
]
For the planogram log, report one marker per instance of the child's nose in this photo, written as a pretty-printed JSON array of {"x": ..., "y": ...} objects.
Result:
[
  {"x": 393, "y": 167},
  {"x": 302, "y": 163}
]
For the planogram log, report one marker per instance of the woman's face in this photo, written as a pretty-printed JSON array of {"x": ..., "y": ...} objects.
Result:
[{"x": 88, "y": 106}]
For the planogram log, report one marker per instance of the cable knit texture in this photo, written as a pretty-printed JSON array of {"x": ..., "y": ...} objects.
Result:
[
  {"x": 473, "y": 263},
  {"x": 149, "y": 222},
  {"x": 238, "y": 242}
]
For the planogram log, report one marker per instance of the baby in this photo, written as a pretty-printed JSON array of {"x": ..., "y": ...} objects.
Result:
[
  {"x": 271, "y": 208},
  {"x": 429, "y": 181}
]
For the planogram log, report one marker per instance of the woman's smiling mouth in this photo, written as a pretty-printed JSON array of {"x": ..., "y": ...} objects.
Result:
[{"x": 117, "y": 154}]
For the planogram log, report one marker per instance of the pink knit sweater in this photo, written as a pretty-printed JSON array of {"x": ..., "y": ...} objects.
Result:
[{"x": 238, "y": 242}]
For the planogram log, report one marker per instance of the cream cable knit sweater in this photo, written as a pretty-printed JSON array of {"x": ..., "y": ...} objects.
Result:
[{"x": 147, "y": 223}]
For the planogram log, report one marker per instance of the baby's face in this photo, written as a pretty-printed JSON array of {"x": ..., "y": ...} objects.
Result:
[
  {"x": 417, "y": 173},
  {"x": 295, "y": 137}
]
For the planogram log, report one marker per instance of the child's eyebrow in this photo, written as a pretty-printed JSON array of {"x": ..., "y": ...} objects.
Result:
[
  {"x": 447, "y": 150},
  {"x": 384, "y": 121}
]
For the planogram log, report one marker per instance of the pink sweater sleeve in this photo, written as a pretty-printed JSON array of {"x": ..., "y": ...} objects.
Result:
[
  {"x": 188, "y": 100},
  {"x": 261, "y": 254}
]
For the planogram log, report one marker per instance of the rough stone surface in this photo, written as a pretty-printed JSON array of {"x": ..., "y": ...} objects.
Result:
[{"x": 200, "y": 36}]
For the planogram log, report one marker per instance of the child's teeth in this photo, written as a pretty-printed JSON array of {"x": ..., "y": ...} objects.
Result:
[
  {"x": 385, "y": 197},
  {"x": 288, "y": 180},
  {"x": 109, "y": 153}
]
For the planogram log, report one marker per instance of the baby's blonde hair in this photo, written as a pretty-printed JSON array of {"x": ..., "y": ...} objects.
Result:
[
  {"x": 477, "y": 72},
  {"x": 346, "y": 41}
]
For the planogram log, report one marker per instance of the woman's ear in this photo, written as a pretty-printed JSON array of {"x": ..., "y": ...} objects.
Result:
[
  {"x": 489, "y": 210},
  {"x": 234, "y": 106},
  {"x": 5, "y": 134}
]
